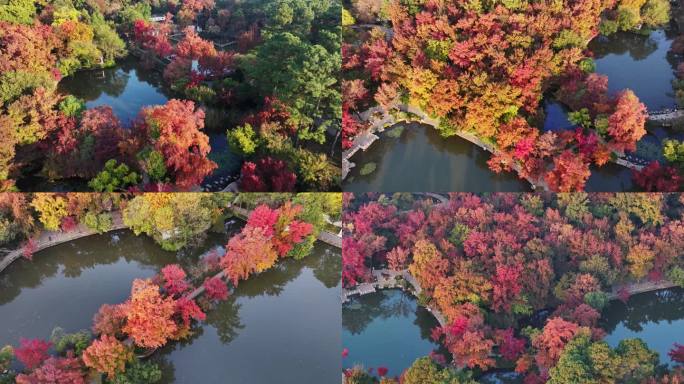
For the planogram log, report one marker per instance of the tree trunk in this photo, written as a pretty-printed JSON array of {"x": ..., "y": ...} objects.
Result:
[{"x": 332, "y": 148}]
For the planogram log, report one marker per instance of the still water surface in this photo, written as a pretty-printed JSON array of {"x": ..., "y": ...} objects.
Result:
[
  {"x": 126, "y": 87},
  {"x": 388, "y": 329},
  {"x": 655, "y": 317},
  {"x": 638, "y": 62},
  {"x": 280, "y": 326},
  {"x": 65, "y": 285}
]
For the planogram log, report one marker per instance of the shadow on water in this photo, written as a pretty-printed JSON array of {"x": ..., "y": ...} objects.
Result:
[
  {"x": 280, "y": 326},
  {"x": 607, "y": 178},
  {"x": 386, "y": 328},
  {"x": 421, "y": 160},
  {"x": 126, "y": 88},
  {"x": 655, "y": 317},
  {"x": 610, "y": 178},
  {"x": 555, "y": 117},
  {"x": 640, "y": 63}
]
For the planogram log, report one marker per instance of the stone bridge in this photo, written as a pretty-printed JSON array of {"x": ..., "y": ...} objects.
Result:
[{"x": 667, "y": 116}]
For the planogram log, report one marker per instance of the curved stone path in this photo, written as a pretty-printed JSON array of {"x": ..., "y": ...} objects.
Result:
[
  {"x": 387, "y": 279},
  {"x": 364, "y": 140},
  {"x": 641, "y": 287},
  {"x": 381, "y": 119},
  {"x": 47, "y": 239}
]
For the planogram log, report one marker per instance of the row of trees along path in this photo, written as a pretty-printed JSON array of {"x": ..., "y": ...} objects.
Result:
[
  {"x": 47, "y": 239},
  {"x": 364, "y": 140}
]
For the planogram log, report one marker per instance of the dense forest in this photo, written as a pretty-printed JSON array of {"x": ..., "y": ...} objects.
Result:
[
  {"x": 488, "y": 263},
  {"x": 273, "y": 63},
  {"x": 165, "y": 308},
  {"x": 482, "y": 68}
]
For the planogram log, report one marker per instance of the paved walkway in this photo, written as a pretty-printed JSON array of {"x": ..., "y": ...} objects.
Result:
[
  {"x": 364, "y": 140},
  {"x": 47, "y": 239},
  {"x": 642, "y": 287},
  {"x": 667, "y": 116},
  {"x": 222, "y": 274},
  {"x": 378, "y": 124}
]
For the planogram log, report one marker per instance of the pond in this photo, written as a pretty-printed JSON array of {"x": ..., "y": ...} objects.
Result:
[
  {"x": 80, "y": 276},
  {"x": 555, "y": 117},
  {"x": 386, "y": 329},
  {"x": 610, "y": 177},
  {"x": 638, "y": 62},
  {"x": 282, "y": 326},
  {"x": 655, "y": 317},
  {"x": 421, "y": 160},
  {"x": 127, "y": 88}
]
